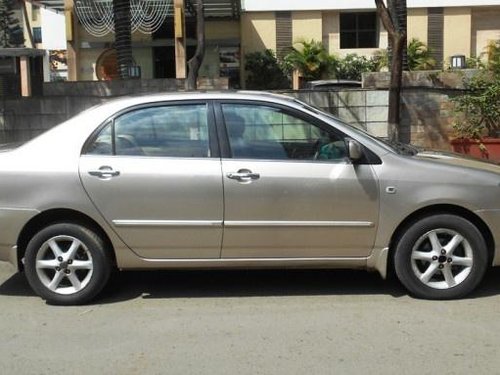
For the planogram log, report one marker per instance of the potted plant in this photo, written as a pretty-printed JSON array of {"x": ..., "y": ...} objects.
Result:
[{"x": 477, "y": 124}]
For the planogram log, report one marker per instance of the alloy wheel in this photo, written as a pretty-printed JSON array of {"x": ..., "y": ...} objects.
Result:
[
  {"x": 442, "y": 258},
  {"x": 64, "y": 265}
]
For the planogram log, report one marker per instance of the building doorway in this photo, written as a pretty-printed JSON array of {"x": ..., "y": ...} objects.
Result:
[{"x": 164, "y": 60}]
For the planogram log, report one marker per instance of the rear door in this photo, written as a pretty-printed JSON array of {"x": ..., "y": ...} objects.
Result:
[{"x": 154, "y": 173}]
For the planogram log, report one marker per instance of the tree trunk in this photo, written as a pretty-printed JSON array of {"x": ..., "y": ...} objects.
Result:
[
  {"x": 194, "y": 63},
  {"x": 399, "y": 14},
  {"x": 397, "y": 39},
  {"x": 402, "y": 11},
  {"x": 123, "y": 36},
  {"x": 28, "y": 25},
  {"x": 394, "y": 120}
]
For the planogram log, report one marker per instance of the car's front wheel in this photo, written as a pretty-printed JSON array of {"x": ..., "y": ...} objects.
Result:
[
  {"x": 441, "y": 257},
  {"x": 67, "y": 264}
]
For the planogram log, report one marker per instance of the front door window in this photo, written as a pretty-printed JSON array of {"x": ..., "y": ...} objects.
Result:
[{"x": 261, "y": 132}]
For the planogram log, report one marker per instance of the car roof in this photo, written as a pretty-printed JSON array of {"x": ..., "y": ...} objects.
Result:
[{"x": 200, "y": 95}]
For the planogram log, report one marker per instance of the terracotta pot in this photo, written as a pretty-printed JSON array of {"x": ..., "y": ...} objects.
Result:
[{"x": 471, "y": 147}]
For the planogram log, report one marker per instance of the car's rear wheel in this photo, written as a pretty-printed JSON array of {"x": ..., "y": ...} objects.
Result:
[
  {"x": 67, "y": 264},
  {"x": 441, "y": 257}
]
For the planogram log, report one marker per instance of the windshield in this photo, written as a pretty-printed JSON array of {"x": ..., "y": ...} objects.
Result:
[{"x": 397, "y": 147}]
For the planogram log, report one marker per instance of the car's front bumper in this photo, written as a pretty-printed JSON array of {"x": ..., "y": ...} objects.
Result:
[{"x": 492, "y": 219}]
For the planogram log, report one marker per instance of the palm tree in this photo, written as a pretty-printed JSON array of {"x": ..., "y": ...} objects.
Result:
[
  {"x": 11, "y": 34},
  {"x": 123, "y": 36},
  {"x": 310, "y": 58},
  {"x": 419, "y": 56}
]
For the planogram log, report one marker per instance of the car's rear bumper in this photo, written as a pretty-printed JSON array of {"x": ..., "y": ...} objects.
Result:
[
  {"x": 12, "y": 221},
  {"x": 9, "y": 254}
]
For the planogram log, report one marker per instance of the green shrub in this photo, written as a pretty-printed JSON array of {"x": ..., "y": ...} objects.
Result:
[
  {"x": 264, "y": 72},
  {"x": 380, "y": 60},
  {"x": 474, "y": 63},
  {"x": 493, "y": 54},
  {"x": 352, "y": 66},
  {"x": 478, "y": 109}
]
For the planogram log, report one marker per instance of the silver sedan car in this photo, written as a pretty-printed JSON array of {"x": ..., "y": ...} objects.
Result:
[{"x": 239, "y": 180}]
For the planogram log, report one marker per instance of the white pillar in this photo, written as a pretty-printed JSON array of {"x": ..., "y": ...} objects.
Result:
[
  {"x": 180, "y": 39},
  {"x": 46, "y": 66}
]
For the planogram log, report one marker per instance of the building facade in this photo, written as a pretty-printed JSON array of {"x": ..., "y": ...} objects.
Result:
[
  {"x": 155, "y": 53},
  {"x": 448, "y": 27},
  {"x": 235, "y": 28},
  {"x": 24, "y": 69}
]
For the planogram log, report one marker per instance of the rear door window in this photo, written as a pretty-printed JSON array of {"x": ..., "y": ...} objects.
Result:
[{"x": 163, "y": 131}]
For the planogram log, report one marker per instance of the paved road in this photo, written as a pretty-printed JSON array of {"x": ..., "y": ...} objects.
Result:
[{"x": 250, "y": 322}]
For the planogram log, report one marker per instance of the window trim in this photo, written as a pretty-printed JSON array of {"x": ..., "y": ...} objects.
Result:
[{"x": 213, "y": 140}]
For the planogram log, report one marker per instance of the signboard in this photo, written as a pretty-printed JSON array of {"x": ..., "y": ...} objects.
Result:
[
  {"x": 229, "y": 57},
  {"x": 229, "y": 60}
]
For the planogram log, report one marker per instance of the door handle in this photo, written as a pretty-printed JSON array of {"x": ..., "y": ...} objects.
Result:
[
  {"x": 104, "y": 172},
  {"x": 243, "y": 175}
]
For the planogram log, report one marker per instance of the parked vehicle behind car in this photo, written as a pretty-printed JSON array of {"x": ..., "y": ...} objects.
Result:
[
  {"x": 239, "y": 180},
  {"x": 333, "y": 84}
]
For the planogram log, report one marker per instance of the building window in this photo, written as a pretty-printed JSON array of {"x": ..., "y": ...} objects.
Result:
[
  {"x": 358, "y": 30},
  {"x": 37, "y": 35}
]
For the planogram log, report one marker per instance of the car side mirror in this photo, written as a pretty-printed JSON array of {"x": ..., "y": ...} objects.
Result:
[{"x": 355, "y": 150}]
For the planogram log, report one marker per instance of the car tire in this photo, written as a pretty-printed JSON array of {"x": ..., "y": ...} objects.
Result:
[
  {"x": 67, "y": 264},
  {"x": 441, "y": 257}
]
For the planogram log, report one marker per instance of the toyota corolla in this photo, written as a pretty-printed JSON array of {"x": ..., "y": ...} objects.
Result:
[{"x": 239, "y": 180}]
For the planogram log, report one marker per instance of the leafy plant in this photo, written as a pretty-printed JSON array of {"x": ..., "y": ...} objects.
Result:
[
  {"x": 478, "y": 110},
  {"x": 493, "y": 54},
  {"x": 352, "y": 66},
  {"x": 381, "y": 59},
  {"x": 419, "y": 56},
  {"x": 264, "y": 71},
  {"x": 311, "y": 59},
  {"x": 11, "y": 34},
  {"x": 474, "y": 63}
]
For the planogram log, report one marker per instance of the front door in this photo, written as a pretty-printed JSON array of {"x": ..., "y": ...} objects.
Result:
[
  {"x": 290, "y": 189},
  {"x": 155, "y": 176}
]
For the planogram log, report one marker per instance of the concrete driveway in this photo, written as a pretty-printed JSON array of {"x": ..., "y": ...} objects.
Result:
[{"x": 250, "y": 322}]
